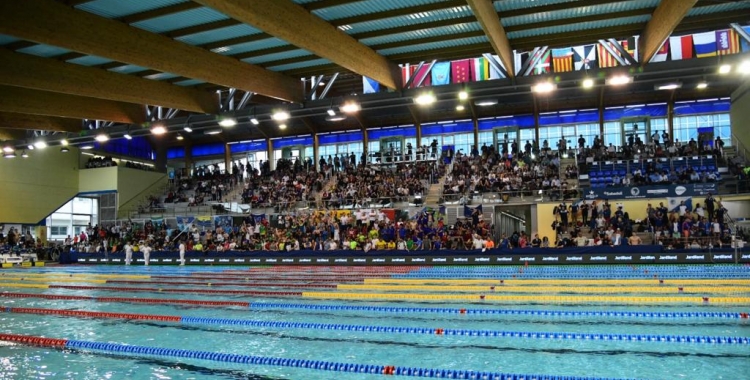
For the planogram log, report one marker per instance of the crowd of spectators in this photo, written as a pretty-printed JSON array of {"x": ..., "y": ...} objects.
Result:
[
  {"x": 106, "y": 162},
  {"x": 705, "y": 225},
  {"x": 290, "y": 183}
]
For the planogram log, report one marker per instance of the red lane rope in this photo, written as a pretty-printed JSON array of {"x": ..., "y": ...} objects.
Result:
[
  {"x": 128, "y": 300},
  {"x": 170, "y": 290},
  {"x": 34, "y": 340},
  {"x": 246, "y": 284},
  {"x": 92, "y": 314}
]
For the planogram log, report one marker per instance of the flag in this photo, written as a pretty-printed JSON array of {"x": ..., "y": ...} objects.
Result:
[
  {"x": 422, "y": 73},
  {"x": 495, "y": 74},
  {"x": 562, "y": 60},
  {"x": 745, "y": 44},
  {"x": 204, "y": 221},
  {"x": 681, "y": 47},
  {"x": 705, "y": 44},
  {"x": 184, "y": 222},
  {"x": 405, "y": 74},
  {"x": 543, "y": 65},
  {"x": 662, "y": 53},
  {"x": 674, "y": 203},
  {"x": 370, "y": 86},
  {"x": 461, "y": 71},
  {"x": 468, "y": 210},
  {"x": 631, "y": 46},
  {"x": 519, "y": 59},
  {"x": 441, "y": 73},
  {"x": 481, "y": 69},
  {"x": 605, "y": 58},
  {"x": 584, "y": 57},
  {"x": 727, "y": 42}
]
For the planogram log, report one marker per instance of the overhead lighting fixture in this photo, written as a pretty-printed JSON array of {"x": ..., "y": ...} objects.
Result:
[
  {"x": 212, "y": 132},
  {"x": 321, "y": 84},
  {"x": 701, "y": 85},
  {"x": 460, "y": 107},
  {"x": 87, "y": 147},
  {"x": 127, "y": 136},
  {"x": 64, "y": 149},
  {"x": 280, "y": 116},
  {"x": 9, "y": 155},
  {"x": 188, "y": 129},
  {"x": 463, "y": 95},
  {"x": 30, "y": 146},
  {"x": 254, "y": 121},
  {"x": 744, "y": 67},
  {"x": 485, "y": 102},
  {"x": 350, "y": 107},
  {"x": 588, "y": 83},
  {"x": 179, "y": 137},
  {"x": 331, "y": 112},
  {"x": 159, "y": 129},
  {"x": 64, "y": 142},
  {"x": 335, "y": 117},
  {"x": 544, "y": 87},
  {"x": 425, "y": 99},
  {"x": 282, "y": 126},
  {"x": 8, "y": 149},
  {"x": 725, "y": 69},
  {"x": 668, "y": 86},
  {"x": 102, "y": 137},
  {"x": 228, "y": 122},
  {"x": 619, "y": 80},
  {"x": 24, "y": 154},
  {"x": 41, "y": 144}
]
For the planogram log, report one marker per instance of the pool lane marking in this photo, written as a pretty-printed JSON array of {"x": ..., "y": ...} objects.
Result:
[
  {"x": 519, "y": 282},
  {"x": 551, "y": 289},
  {"x": 157, "y": 290},
  {"x": 387, "y": 309}
]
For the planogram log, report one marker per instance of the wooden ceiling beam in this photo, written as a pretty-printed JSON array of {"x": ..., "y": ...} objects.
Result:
[
  {"x": 158, "y": 12},
  {"x": 664, "y": 20},
  {"x": 283, "y": 18},
  {"x": 35, "y": 102},
  {"x": 28, "y": 71},
  {"x": 484, "y": 11},
  {"x": 10, "y": 120},
  {"x": 49, "y": 22}
]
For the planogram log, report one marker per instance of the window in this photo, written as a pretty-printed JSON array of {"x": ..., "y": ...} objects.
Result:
[
  {"x": 58, "y": 230},
  {"x": 686, "y": 127},
  {"x": 613, "y": 133}
]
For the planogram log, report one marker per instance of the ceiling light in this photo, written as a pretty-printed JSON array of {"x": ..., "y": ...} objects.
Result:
[
  {"x": 102, "y": 137},
  {"x": 188, "y": 129},
  {"x": 619, "y": 80},
  {"x": 127, "y": 136},
  {"x": 30, "y": 146},
  {"x": 8, "y": 149},
  {"x": 588, "y": 83},
  {"x": 282, "y": 126},
  {"x": 87, "y": 147},
  {"x": 485, "y": 102},
  {"x": 280, "y": 116},
  {"x": 331, "y": 112},
  {"x": 228, "y": 122},
  {"x": 668, "y": 86},
  {"x": 725, "y": 69},
  {"x": 9, "y": 155},
  {"x": 544, "y": 87},
  {"x": 744, "y": 67},
  {"x": 212, "y": 132},
  {"x": 41, "y": 144},
  {"x": 463, "y": 95},
  {"x": 322, "y": 83},
  {"x": 349, "y": 107},
  {"x": 158, "y": 129},
  {"x": 254, "y": 121},
  {"x": 425, "y": 99},
  {"x": 64, "y": 149},
  {"x": 335, "y": 117},
  {"x": 64, "y": 142},
  {"x": 701, "y": 85},
  {"x": 460, "y": 107},
  {"x": 179, "y": 137},
  {"x": 24, "y": 154}
]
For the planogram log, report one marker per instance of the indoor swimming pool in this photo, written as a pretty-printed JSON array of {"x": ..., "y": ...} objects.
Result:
[{"x": 554, "y": 322}]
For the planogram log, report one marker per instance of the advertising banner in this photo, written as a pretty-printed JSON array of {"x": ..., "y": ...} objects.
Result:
[{"x": 654, "y": 191}]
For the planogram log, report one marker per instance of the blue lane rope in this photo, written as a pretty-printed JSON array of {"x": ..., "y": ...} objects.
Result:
[
  {"x": 542, "y": 313},
  {"x": 475, "y": 333},
  {"x": 122, "y": 349}
]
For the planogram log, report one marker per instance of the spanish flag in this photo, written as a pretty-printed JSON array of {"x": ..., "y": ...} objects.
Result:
[{"x": 562, "y": 60}]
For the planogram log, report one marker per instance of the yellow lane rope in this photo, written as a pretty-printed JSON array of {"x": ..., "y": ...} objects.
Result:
[
  {"x": 525, "y": 298},
  {"x": 76, "y": 275},
  {"x": 53, "y": 280},
  {"x": 678, "y": 282},
  {"x": 549, "y": 289}
]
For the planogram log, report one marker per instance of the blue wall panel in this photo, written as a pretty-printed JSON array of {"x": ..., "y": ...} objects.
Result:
[
  {"x": 448, "y": 128},
  {"x": 653, "y": 110},
  {"x": 518, "y": 121},
  {"x": 377, "y": 134},
  {"x": 340, "y": 138},
  {"x": 208, "y": 150},
  {"x": 292, "y": 141},
  {"x": 251, "y": 146},
  {"x": 698, "y": 108}
]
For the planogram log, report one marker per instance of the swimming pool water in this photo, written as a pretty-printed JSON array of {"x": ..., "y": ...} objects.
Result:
[{"x": 517, "y": 355}]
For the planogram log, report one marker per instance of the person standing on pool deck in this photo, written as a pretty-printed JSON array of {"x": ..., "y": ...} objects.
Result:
[
  {"x": 128, "y": 253},
  {"x": 182, "y": 252},
  {"x": 146, "y": 253}
]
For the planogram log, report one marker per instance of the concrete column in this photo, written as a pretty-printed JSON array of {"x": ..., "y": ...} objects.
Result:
[
  {"x": 316, "y": 150},
  {"x": 228, "y": 158},
  {"x": 271, "y": 162},
  {"x": 189, "y": 159}
]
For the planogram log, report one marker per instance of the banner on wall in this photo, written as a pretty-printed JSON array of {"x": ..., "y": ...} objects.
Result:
[
  {"x": 655, "y": 191},
  {"x": 184, "y": 222},
  {"x": 157, "y": 222},
  {"x": 258, "y": 218},
  {"x": 676, "y": 203},
  {"x": 223, "y": 221},
  {"x": 204, "y": 221}
]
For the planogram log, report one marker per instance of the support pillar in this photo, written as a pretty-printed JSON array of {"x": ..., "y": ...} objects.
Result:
[
  {"x": 189, "y": 160},
  {"x": 536, "y": 124},
  {"x": 316, "y": 151},
  {"x": 670, "y": 117},
  {"x": 160, "y": 164},
  {"x": 601, "y": 113},
  {"x": 227, "y": 158},
  {"x": 475, "y": 121},
  {"x": 271, "y": 162},
  {"x": 365, "y": 146}
]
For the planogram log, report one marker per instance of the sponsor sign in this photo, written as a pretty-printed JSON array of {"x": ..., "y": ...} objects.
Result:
[{"x": 657, "y": 191}]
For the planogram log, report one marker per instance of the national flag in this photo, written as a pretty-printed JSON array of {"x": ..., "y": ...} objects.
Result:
[
  {"x": 745, "y": 44},
  {"x": 727, "y": 42},
  {"x": 422, "y": 75},
  {"x": 441, "y": 73},
  {"x": 605, "y": 58},
  {"x": 662, "y": 54},
  {"x": 481, "y": 69},
  {"x": 519, "y": 57},
  {"x": 461, "y": 71},
  {"x": 631, "y": 46},
  {"x": 705, "y": 44},
  {"x": 468, "y": 210},
  {"x": 543, "y": 65},
  {"x": 405, "y": 74},
  {"x": 369, "y": 85},
  {"x": 674, "y": 203},
  {"x": 562, "y": 60},
  {"x": 495, "y": 74},
  {"x": 204, "y": 221},
  {"x": 584, "y": 57},
  {"x": 681, "y": 47}
]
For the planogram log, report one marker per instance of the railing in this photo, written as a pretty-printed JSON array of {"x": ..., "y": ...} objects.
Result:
[
  {"x": 519, "y": 196},
  {"x": 740, "y": 147}
]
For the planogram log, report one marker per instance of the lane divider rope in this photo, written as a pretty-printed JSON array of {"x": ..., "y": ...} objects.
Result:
[
  {"x": 156, "y": 290},
  {"x": 553, "y": 289}
]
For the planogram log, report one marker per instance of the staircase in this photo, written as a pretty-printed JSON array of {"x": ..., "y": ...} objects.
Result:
[
  {"x": 326, "y": 186},
  {"x": 433, "y": 194}
]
